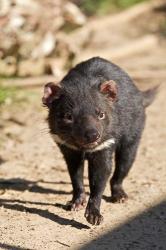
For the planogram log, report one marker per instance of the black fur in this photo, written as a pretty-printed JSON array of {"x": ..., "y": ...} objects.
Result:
[{"x": 75, "y": 116}]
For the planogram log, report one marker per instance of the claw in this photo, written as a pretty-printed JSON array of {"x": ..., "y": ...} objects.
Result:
[
  {"x": 93, "y": 216},
  {"x": 78, "y": 204},
  {"x": 119, "y": 197}
]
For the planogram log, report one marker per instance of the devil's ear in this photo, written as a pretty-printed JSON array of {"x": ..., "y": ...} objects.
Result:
[
  {"x": 52, "y": 91},
  {"x": 109, "y": 88}
]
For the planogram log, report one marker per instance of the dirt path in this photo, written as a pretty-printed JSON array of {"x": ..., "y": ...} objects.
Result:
[{"x": 35, "y": 186}]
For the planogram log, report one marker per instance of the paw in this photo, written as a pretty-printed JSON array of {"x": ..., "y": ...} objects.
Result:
[
  {"x": 93, "y": 216},
  {"x": 119, "y": 197},
  {"x": 78, "y": 203}
]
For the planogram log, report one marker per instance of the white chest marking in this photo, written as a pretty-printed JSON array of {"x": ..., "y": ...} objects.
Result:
[
  {"x": 103, "y": 145},
  {"x": 57, "y": 139}
]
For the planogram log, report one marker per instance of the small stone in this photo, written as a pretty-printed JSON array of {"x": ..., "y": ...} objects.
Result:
[
  {"x": 73, "y": 15},
  {"x": 31, "y": 68},
  {"x": 4, "y": 7},
  {"x": 46, "y": 46},
  {"x": 7, "y": 67}
]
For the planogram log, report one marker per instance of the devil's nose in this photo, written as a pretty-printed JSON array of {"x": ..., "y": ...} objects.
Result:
[{"x": 91, "y": 135}]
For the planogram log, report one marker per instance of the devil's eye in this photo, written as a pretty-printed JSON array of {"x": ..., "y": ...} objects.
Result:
[
  {"x": 68, "y": 117},
  {"x": 101, "y": 115}
]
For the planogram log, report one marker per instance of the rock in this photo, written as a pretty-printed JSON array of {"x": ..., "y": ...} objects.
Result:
[
  {"x": 58, "y": 23},
  {"x": 8, "y": 45},
  {"x": 46, "y": 46},
  {"x": 8, "y": 66},
  {"x": 4, "y": 7},
  {"x": 81, "y": 37},
  {"x": 28, "y": 5},
  {"x": 16, "y": 21},
  {"x": 31, "y": 67},
  {"x": 73, "y": 15},
  {"x": 56, "y": 66},
  {"x": 35, "y": 30},
  {"x": 65, "y": 46},
  {"x": 28, "y": 42}
]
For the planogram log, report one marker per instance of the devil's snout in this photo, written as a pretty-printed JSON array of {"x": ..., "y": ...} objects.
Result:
[{"x": 91, "y": 135}]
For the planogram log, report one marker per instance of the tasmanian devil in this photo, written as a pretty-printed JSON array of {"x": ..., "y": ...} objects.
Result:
[{"x": 94, "y": 111}]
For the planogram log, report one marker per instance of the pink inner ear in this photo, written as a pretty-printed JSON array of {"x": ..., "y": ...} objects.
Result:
[
  {"x": 47, "y": 92},
  {"x": 51, "y": 92},
  {"x": 109, "y": 88}
]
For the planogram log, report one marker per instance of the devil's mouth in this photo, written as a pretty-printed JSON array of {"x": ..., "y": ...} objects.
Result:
[
  {"x": 89, "y": 145},
  {"x": 76, "y": 145}
]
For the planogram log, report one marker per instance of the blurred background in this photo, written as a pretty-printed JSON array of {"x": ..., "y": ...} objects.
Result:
[
  {"x": 40, "y": 40},
  {"x": 47, "y": 37}
]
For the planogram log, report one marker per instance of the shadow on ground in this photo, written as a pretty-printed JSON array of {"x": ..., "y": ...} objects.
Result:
[
  {"x": 1, "y": 160},
  {"x": 19, "y": 184},
  {"x": 11, "y": 247},
  {"x": 23, "y": 206},
  {"x": 146, "y": 231},
  {"x": 45, "y": 213}
]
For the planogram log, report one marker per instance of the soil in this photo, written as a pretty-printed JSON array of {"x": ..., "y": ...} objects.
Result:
[{"x": 35, "y": 185}]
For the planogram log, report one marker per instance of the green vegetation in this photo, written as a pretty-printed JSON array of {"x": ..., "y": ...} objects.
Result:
[
  {"x": 7, "y": 93},
  {"x": 12, "y": 95},
  {"x": 163, "y": 28},
  {"x": 101, "y": 7}
]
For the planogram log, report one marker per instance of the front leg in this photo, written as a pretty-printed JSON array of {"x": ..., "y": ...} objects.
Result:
[
  {"x": 99, "y": 171},
  {"x": 75, "y": 164}
]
